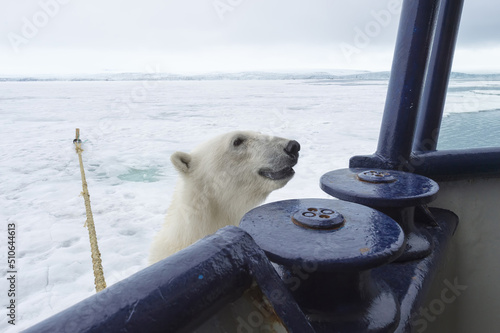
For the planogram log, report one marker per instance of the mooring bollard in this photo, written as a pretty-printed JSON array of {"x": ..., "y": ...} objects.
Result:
[
  {"x": 394, "y": 193},
  {"x": 325, "y": 250}
]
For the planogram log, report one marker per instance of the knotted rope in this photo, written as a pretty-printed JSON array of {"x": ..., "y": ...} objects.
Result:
[{"x": 99, "y": 281}]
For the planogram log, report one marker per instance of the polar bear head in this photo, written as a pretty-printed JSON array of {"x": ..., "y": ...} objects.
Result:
[
  {"x": 220, "y": 181},
  {"x": 239, "y": 166}
]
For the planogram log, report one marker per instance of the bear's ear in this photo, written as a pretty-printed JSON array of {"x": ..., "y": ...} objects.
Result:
[{"x": 181, "y": 161}]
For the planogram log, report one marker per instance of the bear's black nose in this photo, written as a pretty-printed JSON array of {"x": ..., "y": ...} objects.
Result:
[{"x": 292, "y": 149}]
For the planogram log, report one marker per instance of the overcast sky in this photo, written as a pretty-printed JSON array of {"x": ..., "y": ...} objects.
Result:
[{"x": 75, "y": 36}]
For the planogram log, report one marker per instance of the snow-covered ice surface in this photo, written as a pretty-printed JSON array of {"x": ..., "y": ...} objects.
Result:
[{"x": 129, "y": 130}]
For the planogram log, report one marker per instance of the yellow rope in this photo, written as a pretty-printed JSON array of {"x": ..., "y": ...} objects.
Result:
[{"x": 99, "y": 281}]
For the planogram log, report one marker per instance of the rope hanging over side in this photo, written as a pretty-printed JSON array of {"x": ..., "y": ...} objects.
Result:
[{"x": 99, "y": 281}]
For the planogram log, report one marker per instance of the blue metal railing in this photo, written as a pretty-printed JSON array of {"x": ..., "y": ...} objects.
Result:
[
  {"x": 416, "y": 96},
  {"x": 181, "y": 292},
  {"x": 406, "y": 82},
  {"x": 437, "y": 75}
]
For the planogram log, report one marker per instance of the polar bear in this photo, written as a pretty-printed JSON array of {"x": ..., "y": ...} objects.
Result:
[{"x": 219, "y": 182}]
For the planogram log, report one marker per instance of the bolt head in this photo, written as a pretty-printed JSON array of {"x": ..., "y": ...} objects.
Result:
[
  {"x": 318, "y": 218},
  {"x": 376, "y": 176}
]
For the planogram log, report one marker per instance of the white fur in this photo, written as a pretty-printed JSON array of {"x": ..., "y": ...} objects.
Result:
[{"x": 219, "y": 183}]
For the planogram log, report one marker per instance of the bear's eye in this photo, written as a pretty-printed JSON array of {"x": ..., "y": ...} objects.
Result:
[{"x": 237, "y": 142}]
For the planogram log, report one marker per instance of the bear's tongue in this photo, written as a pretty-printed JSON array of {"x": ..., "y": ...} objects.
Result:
[{"x": 277, "y": 175}]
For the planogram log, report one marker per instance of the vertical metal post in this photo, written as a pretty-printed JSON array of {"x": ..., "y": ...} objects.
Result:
[
  {"x": 406, "y": 82},
  {"x": 438, "y": 73}
]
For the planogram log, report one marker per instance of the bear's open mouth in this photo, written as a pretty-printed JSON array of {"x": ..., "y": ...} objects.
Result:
[{"x": 277, "y": 175}]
